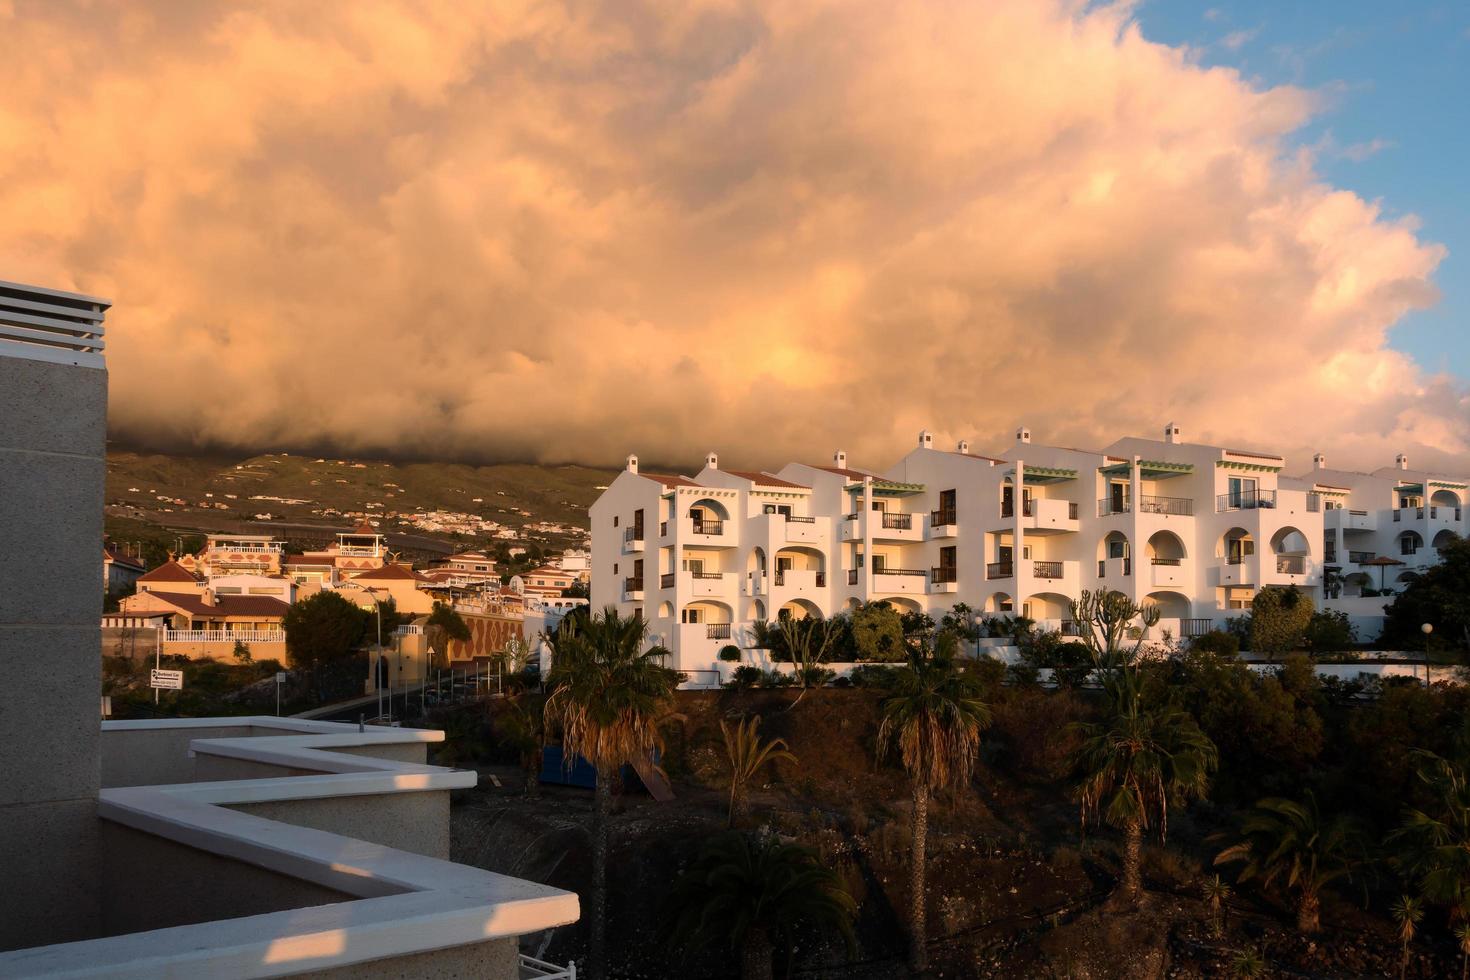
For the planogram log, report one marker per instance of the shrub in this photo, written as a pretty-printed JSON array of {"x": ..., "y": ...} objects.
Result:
[
  {"x": 777, "y": 678},
  {"x": 1069, "y": 661},
  {"x": 1279, "y": 618},
  {"x": 814, "y": 676},
  {"x": 1217, "y": 643},
  {"x": 842, "y": 682},
  {"x": 730, "y": 653},
  {"x": 1329, "y": 631},
  {"x": 745, "y": 677},
  {"x": 877, "y": 633},
  {"x": 867, "y": 675}
]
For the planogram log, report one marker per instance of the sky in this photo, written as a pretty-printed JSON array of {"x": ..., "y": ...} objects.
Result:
[{"x": 567, "y": 232}]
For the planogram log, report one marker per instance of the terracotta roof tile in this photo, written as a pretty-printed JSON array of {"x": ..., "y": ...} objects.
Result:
[
  {"x": 766, "y": 480},
  {"x": 668, "y": 480},
  {"x": 170, "y": 571},
  {"x": 390, "y": 573}
]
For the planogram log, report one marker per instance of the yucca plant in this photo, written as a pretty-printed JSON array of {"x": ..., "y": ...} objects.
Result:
[
  {"x": 748, "y": 755},
  {"x": 1217, "y": 892},
  {"x": 1434, "y": 841},
  {"x": 752, "y": 893},
  {"x": 933, "y": 716},
  {"x": 1407, "y": 912},
  {"x": 1290, "y": 842},
  {"x": 608, "y": 697}
]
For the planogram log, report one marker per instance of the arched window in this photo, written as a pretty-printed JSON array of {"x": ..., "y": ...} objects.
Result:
[{"x": 1410, "y": 543}]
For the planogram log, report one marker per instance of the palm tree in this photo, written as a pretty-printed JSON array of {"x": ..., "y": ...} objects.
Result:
[
  {"x": 1217, "y": 893},
  {"x": 442, "y": 626},
  {"x": 748, "y": 755},
  {"x": 934, "y": 717},
  {"x": 753, "y": 892},
  {"x": 1290, "y": 841},
  {"x": 1462, "y": 938},
  {"x": 523, "y": 725},
  {"x": 1407, "y": 912},
  {"x": 1136, "y": 764},
  {"x": 1435, "y": 840},
  {"x": 608, "y": 696}
]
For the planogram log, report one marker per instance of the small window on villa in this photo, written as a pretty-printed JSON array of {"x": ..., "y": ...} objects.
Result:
[{"x": 615, "y": 520}]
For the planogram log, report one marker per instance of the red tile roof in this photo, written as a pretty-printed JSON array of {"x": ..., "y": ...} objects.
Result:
[
  {"x": 669, "y": 481},
  {"x": 112, "y": 554},
  {"x": 850, "y": 474},
  {"x": 225, "y": 605},
  {"x": 983, "y": 459},
  {"x": 390, "y": 573},
  {"x": 766, "y": 480},
  {"x": 170, "y": 571}
]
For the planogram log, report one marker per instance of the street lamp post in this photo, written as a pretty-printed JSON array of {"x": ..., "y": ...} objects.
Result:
[{"x": 1426, "y": 629}]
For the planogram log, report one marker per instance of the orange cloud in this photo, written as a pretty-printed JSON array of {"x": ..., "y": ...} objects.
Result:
[{"x": 569, "y": 231}]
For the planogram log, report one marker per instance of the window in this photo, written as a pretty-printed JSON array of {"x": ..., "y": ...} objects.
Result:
[
  {"x": 1409, "y": 543},
  {"x": 1242, "y": 491},
  {"x": 692, "y": 616},
  {"x": 696, "y": 565},
  {"x": 947, "y": 557},
  {"x": 615, "y": 520}
]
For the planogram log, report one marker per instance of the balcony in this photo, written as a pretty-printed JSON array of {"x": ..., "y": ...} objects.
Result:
[
  {"x": 944, "y": 578},
  {"x": 1041, "y": 515},
  {"x": 632, "y": 540},
  {"x": 754, "y": 583},
  {"x": 710, "y": 532},
  {"x": 1291, "y": 565},
  {"x": 1287, "y": 570},
  {"x": 1000, "y": 569},
  {"x": 264, "y": 874},
  {"x": 708, "y": 584},
  {"x": 1349, "y": 520},
  {"x": 224, "y": 636},
  {"x": 1115, "y": 568},
  {"x": 632, "y": 589},
  {"x": 1169, "y": 572},
  {"x": 942, "y": 524},
  {"x": 666, "y": 580},
  {"x": 1361, "y": 557},
  {"x": 1108, "y": 507},
  {"x": 1240, "y": 570},
  {"x": 1044, "y": 575},
  {"x": 791, "y": 583},
  {"x": 1167, "y": 506},
  {"x": 717, "y": 631},
  {"x": 883, "y": 526},
  {"x": 1245, "y": 500},
  {"x": 900, "y": 581},
  {"x": 804, "y": 530}
]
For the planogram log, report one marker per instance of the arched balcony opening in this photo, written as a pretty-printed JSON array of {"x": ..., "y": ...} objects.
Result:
[
  {"x": 1444, "y": 539},
  {"x": 799, "y": 609},
  {"x": 1409, "y": 543}
]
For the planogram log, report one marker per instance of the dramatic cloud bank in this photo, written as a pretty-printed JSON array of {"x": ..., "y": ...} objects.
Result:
[{"x": 567, "y": 231}]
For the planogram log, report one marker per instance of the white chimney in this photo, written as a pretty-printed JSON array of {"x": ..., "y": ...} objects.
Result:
[
  {"x": 839, "y": 460},
  {"x": 964, "y": 447},
  {"x": 632, "y": 463},
  {"x": 926, "y": 439},
  {"x": 1023, "y": 434},
  {"x": 712, "y": 461},
  {"x": 1319, "y": 461},
  {"x": 1171, "y": 433},
  {"x": 1401, "y": 461}
]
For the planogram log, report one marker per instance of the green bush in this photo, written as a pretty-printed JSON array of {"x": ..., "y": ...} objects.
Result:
[
  {"x": 745, "y": 677},
  {"x": 815, "y": 676},
  {"x": 1217, "y": 643},
  {"x": 867, "y": 675},
  {"x": 1279, "y": 618},
  {"x": 730, "y": 653},
  {"x": 1329, "y": 631}
]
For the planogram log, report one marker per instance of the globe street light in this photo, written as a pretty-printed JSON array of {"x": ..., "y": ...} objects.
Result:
[{"x": 1426, "y": 629}]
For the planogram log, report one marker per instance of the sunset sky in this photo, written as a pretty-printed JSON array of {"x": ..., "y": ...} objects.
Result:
[{"x": 570, "y": 231}]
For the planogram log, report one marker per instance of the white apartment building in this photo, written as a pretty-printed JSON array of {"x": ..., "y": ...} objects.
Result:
[{"x": 1193, "y": 529}]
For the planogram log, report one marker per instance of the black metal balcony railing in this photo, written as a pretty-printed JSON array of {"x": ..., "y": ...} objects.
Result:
[
  {"x": 709, "y": 525},
  {"x": 1071, "y": 510},
  {"x": 850, "y": 517},
  {"x": 632, "y": 585},
  {"x": 791, "y": 519},
  {"x": 1236, "y": 559},
  {"x": 944, "y": 574},
  {"x": 1246, "y": 500},
  {"x": 1156, "y": 560},
  {"x": 1329, "y": 555},
  {"x": 1102, "y": 566},
  {"x": 633, "y": 534},
  {"x": 707, "y": 575},
  {"x": 1358, "y": 513},
  {"x": 1195, "y": 627},
  {"x": 1000, "y": 569},
  {"x": 1172, "y": 506},
  {"x": 898, "y": 522},
  {"x": 821, "y": 578},
  {"x": 900, "y": 571},
  {"x": 852, "y": 576},
  {"x": 1069, "y": 628},
  {"x": 1046, "y": 569},
  {"x": 666, "y": 580},
  {"x": 1358, "y": 557},
  {"x": 717, "y": 631},
  {"x": 1291, "y": 564},
  {"x": 941, "y": 518},
  {"x": 1107, "y": 506},
  {"x": 1314, "y": 503}
]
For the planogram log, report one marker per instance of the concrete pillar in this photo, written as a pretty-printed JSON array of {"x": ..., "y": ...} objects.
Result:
[
  {"x": 866, "y": 518},
  {"x": 1018, "y": 532},
  {"x": 53, "y": 419},
  {"x": 1135, "y": 489}
]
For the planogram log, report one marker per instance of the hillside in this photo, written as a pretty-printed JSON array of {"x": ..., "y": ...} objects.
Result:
[{"x": 423, "y": 507}]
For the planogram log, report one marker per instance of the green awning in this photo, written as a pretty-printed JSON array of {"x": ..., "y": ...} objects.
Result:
[
  {"x": 1044, "y": 474},
  {"x": 1235, "y": 464},
  {"x": 888, "y": 488},
  {"x": 1149, "y": 469}
]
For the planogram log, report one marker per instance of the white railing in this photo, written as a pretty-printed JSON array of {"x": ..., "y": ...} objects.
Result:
[
  {"x": 359, "y": 551},
  {"x": 248, "y": 549},
  {"x": 224, "y": 636},
  {"x": 409, "y": 630},
  {"x": 51, "y": 325},
  {"x": 534, "y": 969}
]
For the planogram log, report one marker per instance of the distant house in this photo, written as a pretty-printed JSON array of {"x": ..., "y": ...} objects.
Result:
[{"x": 119, "y": 571}]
